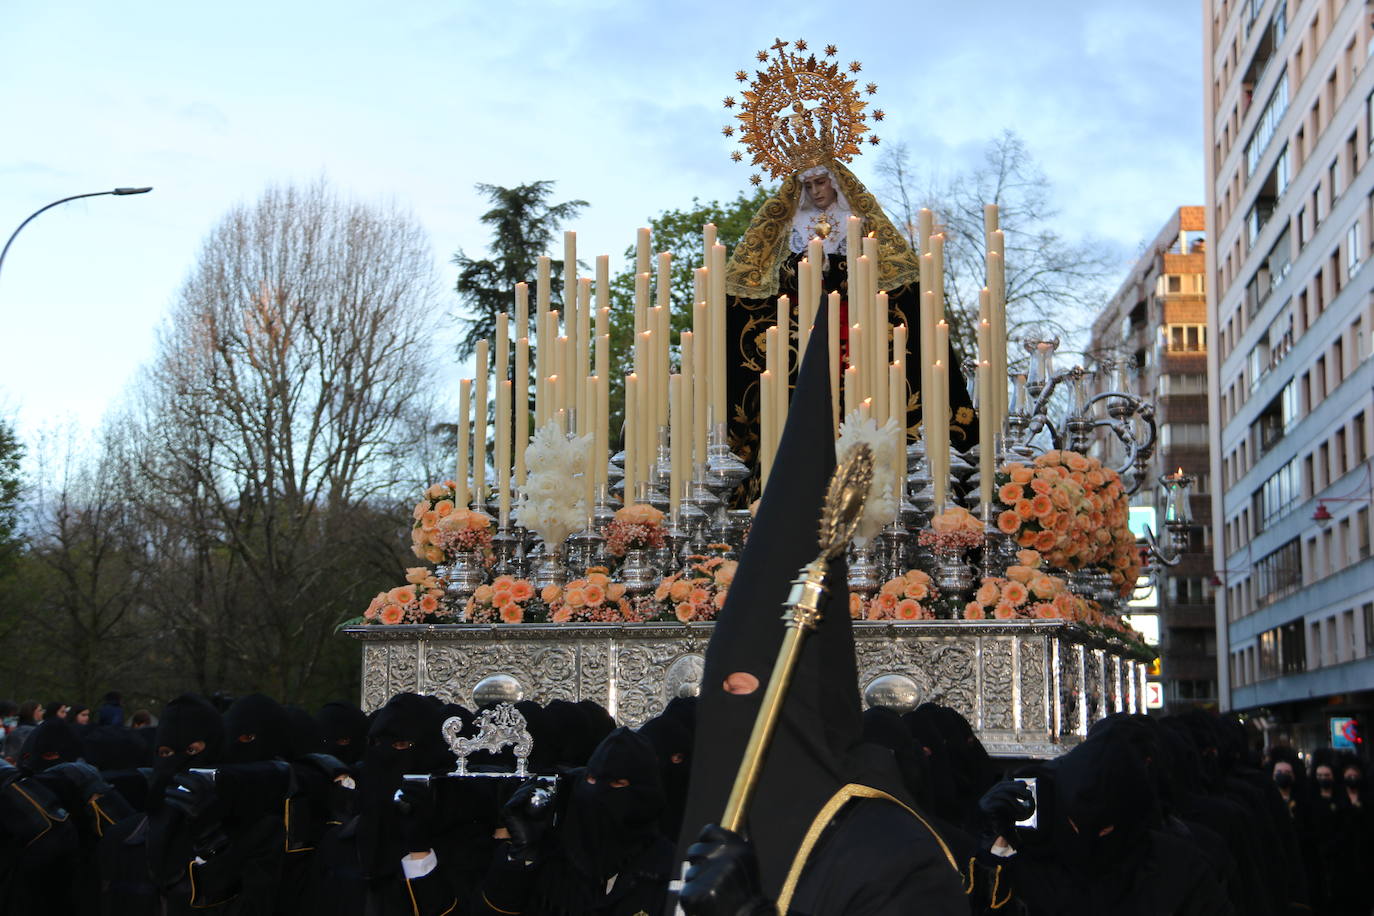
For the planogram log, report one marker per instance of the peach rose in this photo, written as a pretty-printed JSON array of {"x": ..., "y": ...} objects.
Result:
[
  {"x": 443, "y": 507},
  {"x": 1008, "y": 522},
  {"x": 987, "y": 593},
  {"x": 1009, "y": 493},
  {"x": 429, "y": 520},
  {"x": 725, "y": 575},
  {"x": 598, "y": 578},
  {"x": 679, "y": 590},
  {"x": 550, "y": 593},
  {"x": 974, "y": 611},
  {"x": 1020, "y": 574},
  {"x": 1041, "y": 486},
  {"x": 429, "y": 604},
  {"x": 1024, "y": 509},
  {"x": 875, "y": 612},
  {"x": 417, "y": 574},
  {"x": 370, "y": 613},
  {"x": 1021, "y": 475},
  {"x": 562, "y": 615},
  {"x": 639, "y": 514},
  {"x": 719, "y": 599},
  {"x": 575, "y": 598},
  {"x": 1044, "y": 586},
  {"x": 512, "y": 613},
  {"x": 684, "y": 612},
  {"x": 615, "y": 591},
  {"x": 483, "y": 594},
  {"x": 1026, "y": 538},
  {"x": 392, "y": 614},
  {"x": 1076, "y": 462},
  {"x": 856, "y": 605},
  {"x": 699, "y": 596},
  {"x": 478, "y": 521},
  {"x": 1028, "y": 558},
  {"x": 437, "y": 491},
  {"x": 420, "y": 509}
]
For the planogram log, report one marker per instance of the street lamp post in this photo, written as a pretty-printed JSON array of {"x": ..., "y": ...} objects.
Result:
[{"x": 117, "y": 192}]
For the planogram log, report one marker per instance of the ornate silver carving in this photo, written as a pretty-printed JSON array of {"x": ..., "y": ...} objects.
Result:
[
  {"x": 1021, "y": 683},
  {"x": 497, "y": 688},
  {"x": 498, "y": 727}
]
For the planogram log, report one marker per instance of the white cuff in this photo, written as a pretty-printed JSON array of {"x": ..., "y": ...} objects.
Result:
[{"x": 418, "y": 868}]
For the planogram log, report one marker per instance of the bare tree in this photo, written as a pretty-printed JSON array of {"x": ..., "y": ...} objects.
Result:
[
  {"x": 279, "y": 423},
  {"x": 1054, "y": 284}
]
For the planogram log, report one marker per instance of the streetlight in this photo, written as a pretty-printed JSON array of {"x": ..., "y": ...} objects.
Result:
[{"x": 117, "y": 192}]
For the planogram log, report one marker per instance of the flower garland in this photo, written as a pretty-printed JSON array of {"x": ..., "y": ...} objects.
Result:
[
  {"x": 505, "y": 600},
  {"x": 910, "y": 596},
  {"x": 698, "y": 592},
  {"x": 638, "y": 526},
  {"x": 593, "y": 599},
  {"x": 418, "y": 601}
]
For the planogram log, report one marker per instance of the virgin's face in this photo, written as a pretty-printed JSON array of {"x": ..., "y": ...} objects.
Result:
[{"x": 821, "y": 189}]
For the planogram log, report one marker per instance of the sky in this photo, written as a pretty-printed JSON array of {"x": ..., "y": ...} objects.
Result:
[{"x": 412, "y": 102}]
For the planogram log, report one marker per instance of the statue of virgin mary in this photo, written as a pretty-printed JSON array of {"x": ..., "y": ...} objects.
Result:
[{"x": 817, "y": 203}]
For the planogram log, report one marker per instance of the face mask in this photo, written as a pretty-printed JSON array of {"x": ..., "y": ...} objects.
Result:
[
  {"x": 1283, "y": 780},
  {"x": 1353, "y": 782},
  {"x": 1325, "y": 782}
]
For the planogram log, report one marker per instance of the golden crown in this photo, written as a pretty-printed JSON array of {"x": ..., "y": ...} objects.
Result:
[{"x": 800, "y": 111}]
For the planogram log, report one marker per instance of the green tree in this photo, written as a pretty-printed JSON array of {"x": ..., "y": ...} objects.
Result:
[
  {"x": 678, "y": 232},
  {"x": 523, "y": 225},
  {"x": 11, "y": 454}
]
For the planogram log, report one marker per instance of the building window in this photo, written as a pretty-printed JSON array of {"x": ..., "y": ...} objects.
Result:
[
  {"x": 1279, "y": 573},
  {"x": 1186, "y": 338},
  {"x": 1354, "y": 247},
  {"x": 1267, "y": 125}
]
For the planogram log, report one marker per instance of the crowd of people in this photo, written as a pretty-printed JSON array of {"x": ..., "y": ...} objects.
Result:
[{"x": 253, "y": 807}]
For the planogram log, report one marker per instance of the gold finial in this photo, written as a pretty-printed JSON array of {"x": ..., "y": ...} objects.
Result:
[
  {"x": 799, "y": 111},
  {"x": 844, "y": 500}
]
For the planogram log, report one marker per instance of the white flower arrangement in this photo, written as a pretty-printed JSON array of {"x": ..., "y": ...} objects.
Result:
[
  {"x": 880, "y": 509},
  {"x": 552, "y": 504}
]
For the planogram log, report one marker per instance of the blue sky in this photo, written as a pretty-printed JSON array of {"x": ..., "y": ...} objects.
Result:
[{"x": 415, "y": 101}]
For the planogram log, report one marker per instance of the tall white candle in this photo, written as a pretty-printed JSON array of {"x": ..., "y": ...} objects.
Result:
[
  {"x": 708, "y": 240},
  {"x": 700, "y": 387},
  {"x": 784, "y": 369},
  {"x": 676, "y": 445},
  {"x": 631, "y": 436},
  {"x": 766, "y": 402},
  {"x": 522, "y": 310},
  {"x": 464, "y": 491},
  {"x": 718, "y": 341},
  {"x": 584, "y": 344},
  {"x": 832, "y": 327},
  {"x": 642, "y": 242},
  {"x": 687, "y": 420},
  {"x": 853, "y": 230},
  {"x": 503, "y": 440},
  {"x": 542, "y": 291},
  {"x": 479, "y": 439},
  {"x": 521, "y": 394},
  {"x": 897, "y": 409},
  {"x": 502, "y": 355}
]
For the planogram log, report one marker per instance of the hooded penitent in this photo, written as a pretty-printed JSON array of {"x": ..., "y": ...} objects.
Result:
[
  {"x": 51, "y": 743},
  {"x": 404, "y": 738},
  {"x": 189, "y": 734},
  {"x": 811, "y": 757},
  {"x": 259, "y": 730},
  {"x": 671, "y": 736},
  {"x": 1104, "y": 805},
  {"x": 343, "y": 731}
]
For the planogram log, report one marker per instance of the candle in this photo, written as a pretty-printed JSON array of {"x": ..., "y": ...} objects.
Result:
[
  {"x": 542, "y": 287},
  {"x": 865, "y": 410},
  {"x": 522, "y": 310},
  {"x": 603, "y": 407},
  {"x": 896, "y": 394},
  {"x": 718, "y": 343},
  {"x": 770, "y": 364},
  {"x": 897, "y": 409},
  {"x": 464, "y": 420},
  {"x": 766, "y": 402},
  {"x": 584, "y": 344},
  {"x": 856, "y": 362},
  {"x": 647, "y": 420},
  {"x": 502, "y": 347},
  {"x": 832, "y": 327},
  {"x": 803, "y": 297},
  {"x": 591, "y": 477},
  {"x": 940, "y": 406},
  {"x": 782, "y": 381},
  {"x": 881, "y": 331},
  {"x": 851, "y": 390},
  {"x": 987, "y": 453},
  {"x": 630, "y": 434},
  {"x": 570, "y": 279},
  {"x": 708, "y": 241},
  {"x": 521, "y": 393},
  {"x": 853, "y": 230},
  {"x": 925, "y": 222},
  {"x": 937, "y": 279},
  {"x": 998, "y": 288},
  {"x": 665, "y": 279},
  {"x": 503, "y": 414},
  {"x": 642, "y": 241},
  {"x": 928, "y": 356},
  {"x": 677, "y": 444},
  {"x": 687, "y": 420},
  {"x": 661, "y": 351},
  {"x": 700, "y": 388}
]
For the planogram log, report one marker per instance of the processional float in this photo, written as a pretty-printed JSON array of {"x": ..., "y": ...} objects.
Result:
[{"x": 991, "y": 578}]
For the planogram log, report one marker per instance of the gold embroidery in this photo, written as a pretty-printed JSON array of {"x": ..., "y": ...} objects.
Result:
[{"x": 823, "y": 819}]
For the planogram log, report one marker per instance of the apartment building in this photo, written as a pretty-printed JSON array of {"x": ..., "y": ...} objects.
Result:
[
  {"x": 1157, "y": 324},
  {"x": 1289, "y": 99}
]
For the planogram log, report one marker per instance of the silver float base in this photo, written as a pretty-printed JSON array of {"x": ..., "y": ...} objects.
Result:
[{"x": 1030, "y": 688}]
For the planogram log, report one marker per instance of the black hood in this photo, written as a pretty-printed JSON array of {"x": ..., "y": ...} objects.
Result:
[
  {"x": 186, "y": 722},
  {"x": 885, "y": 728},
  {"x": 259, "y": 730},
  {"x": 1103, "y": 806},
  {"x": 812, "y": 754},
  {"x": 343, "y": 730},
  {"x": 404, "y": 738},
  {"x": 51, "y": 743},
  {"x": 108, "y": 748}
]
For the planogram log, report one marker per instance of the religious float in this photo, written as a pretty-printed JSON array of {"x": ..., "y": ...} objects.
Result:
[{"x": 992, "y": 562}]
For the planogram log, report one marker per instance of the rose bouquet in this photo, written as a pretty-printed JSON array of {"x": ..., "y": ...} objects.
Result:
[
  {"x": 593, "y": 599},
  {"x": 505, "y": 599},
  {"x": 952, "y": 531},
  {"x": 418, "y": 601},
  {"x": 638, "y": 526},
  {"x": 698, "y": 592},
  {"x": 1025, "y": 592},
  {"x": 442, "y": 527},
  {"x": 911, "y": 596}
]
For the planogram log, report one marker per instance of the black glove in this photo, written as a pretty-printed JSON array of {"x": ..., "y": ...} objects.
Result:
[
  {"x": 1001, "y": 807},
  {"x": 84, "y": 779},
  {"x": 723, "y": 877},
  {"x": 193, "y": 794},
  {"x": 526, "y": 816},
  {"x": 415, "y": 804}
]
